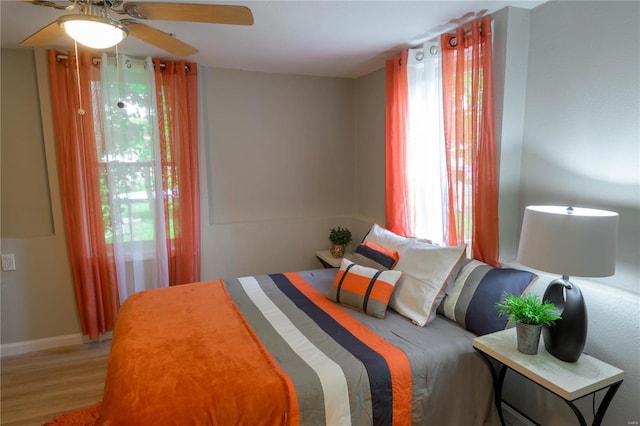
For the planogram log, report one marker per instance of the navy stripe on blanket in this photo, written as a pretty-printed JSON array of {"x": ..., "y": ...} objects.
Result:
[{"x": 376, "y": 366}]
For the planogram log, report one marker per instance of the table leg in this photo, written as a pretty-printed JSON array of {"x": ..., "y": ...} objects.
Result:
[
  {"x": 498, "y": 391},
  {"x": 498, "y": 382},
  {"x": 497, "y": 385},
  {"x": 602, "y": 409},
  {"x": 605, "y": 403},
  {"x": 577, "y": 412}
]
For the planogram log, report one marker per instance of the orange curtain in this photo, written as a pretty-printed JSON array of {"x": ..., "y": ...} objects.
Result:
[
  {"x": 396, "y": 185},
  {"x": 94, "y": 275},
  {"x": 177, "y": 100},
  {"x": 470, "y": 140}
]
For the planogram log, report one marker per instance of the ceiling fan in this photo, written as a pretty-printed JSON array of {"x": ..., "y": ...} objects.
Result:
[{"x": 100, "y": 15}]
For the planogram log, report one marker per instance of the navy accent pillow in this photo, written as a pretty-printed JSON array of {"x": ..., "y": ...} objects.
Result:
[
  {"x": 471, "y": 302},
  {"x": 379, "y": 254}
]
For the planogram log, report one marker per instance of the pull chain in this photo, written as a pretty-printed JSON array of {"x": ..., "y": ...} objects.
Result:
[
  {"x": 120, "y": 103},
  {"x": 80, "y": 109}
]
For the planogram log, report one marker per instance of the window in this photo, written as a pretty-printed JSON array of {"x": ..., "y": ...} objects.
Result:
[
  {"x": 126, "y": 153},
  {"x": 441, "y": 160},
  {"x": 119, "y": 165}
]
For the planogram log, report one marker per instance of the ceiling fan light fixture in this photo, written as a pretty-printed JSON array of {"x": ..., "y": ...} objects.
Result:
[{"x": 93, "y": 31}]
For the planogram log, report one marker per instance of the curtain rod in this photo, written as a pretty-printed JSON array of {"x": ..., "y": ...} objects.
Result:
[{"x": 96, "y": 61}]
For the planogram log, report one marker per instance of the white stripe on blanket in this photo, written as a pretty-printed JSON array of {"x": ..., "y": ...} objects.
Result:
[{"x": 334, "y": 383}]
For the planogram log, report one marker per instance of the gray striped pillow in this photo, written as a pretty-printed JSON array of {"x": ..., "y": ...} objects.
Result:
[{"x": 471, "y": 301}]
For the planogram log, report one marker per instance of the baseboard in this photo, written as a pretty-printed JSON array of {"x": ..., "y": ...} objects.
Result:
[
  {"x": 19, "y": 348},
  {"x": 101, "y": 338}
]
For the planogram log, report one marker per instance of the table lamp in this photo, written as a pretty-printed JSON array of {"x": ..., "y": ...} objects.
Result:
[{"x": 568, "y": 241}]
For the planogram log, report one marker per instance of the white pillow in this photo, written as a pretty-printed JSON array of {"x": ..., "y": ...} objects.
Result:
[
  {"x": 425, "y": 272},
  {"x": 391, "y": 241}
]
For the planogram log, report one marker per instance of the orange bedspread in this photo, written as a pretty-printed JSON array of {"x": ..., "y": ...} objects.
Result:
[{"x": 190, "y": 370}]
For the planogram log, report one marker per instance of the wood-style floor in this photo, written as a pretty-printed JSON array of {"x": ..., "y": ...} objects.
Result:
[{"x": 39, "y": 386}]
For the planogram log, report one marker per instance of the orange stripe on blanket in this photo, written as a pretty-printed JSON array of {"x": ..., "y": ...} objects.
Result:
[
  {"x": 398, "y": 362},
  {"x": 167, "y": 363}
]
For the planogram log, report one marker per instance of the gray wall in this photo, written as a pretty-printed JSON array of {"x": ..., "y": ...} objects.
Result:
[
  {"x": 581, "y": 135},
  {"x": 277, "y": 169},
  {"x": 511, "y": 52},
  {"x": 581, "y": 146},
  {"x": 370, "y": 146},
  {"x": 37, "y": 300}
]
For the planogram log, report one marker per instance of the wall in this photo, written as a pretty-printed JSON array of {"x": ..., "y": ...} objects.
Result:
[
  {"x": 582, "y": 117},
  {"x": 581, "y": 147},
  {"x": 370, "y": 146},
  {"x": 37, "y": 299},
  {"x": 277, "y": 169},
  {"x": 26, "y": 188},
  {"x": 510, "y": 58}
]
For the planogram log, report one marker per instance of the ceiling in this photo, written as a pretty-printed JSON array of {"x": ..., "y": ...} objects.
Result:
[{"x": 322, "y": 38}]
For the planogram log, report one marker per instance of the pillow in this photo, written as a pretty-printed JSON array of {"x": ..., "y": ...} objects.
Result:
[
  {"x": 389, "y": 240},
  {"x": 471, "y": 302},
  {"x": 365, "y": 289},
  {"x": 426, "y": 270},
  {"x": 363, "y": 260},
  {"x": 379, "y": 254}
]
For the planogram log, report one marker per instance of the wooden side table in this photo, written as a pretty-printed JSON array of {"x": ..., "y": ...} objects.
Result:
[
  {"x": 327, "y": 260},
  {"x": 568, "y": 380}
]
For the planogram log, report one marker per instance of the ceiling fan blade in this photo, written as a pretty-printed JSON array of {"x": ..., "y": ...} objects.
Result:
[
  {"x": 208, "y": 13},
  {"x": 44, "y": 36},
  {"x": 50, "y": 4},
  {"x": 159, "y": 38}
]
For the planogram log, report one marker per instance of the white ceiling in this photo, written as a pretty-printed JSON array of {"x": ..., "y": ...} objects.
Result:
[{"x": 323, "y": 38}]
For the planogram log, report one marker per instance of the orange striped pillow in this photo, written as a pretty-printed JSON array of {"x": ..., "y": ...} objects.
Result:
[{"x": 362, "y": 288}]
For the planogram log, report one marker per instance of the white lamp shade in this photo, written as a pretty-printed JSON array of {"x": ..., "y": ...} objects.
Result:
[
  {"x": 91, "y": 31},
  {"x": 569, "y": 241}
]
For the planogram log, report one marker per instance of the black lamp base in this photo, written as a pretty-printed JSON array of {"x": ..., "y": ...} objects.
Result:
[{"x": 566, "y": 339}]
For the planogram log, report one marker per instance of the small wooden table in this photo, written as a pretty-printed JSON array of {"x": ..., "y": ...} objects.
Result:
[
  {"x": 568, "y": 380},
  {"x": 327, "y": 260}
]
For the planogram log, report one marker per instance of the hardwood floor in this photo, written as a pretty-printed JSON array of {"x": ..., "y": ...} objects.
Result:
[{"x": 39, "y": 386}]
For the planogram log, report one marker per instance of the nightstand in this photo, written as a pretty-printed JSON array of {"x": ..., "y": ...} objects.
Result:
[
  {"x": 568, "y": 380},
  {"x": 327, "y": 260}
]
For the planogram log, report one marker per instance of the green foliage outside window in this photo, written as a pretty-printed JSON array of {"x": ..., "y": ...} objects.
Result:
[{"x": 128, "y": 167}]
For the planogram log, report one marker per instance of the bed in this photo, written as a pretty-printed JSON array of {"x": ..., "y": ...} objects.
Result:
[{"x": 274, "y": 349}]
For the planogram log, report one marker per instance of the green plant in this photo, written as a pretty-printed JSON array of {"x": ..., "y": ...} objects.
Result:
[
  {"x": 528, "y": 309},
  {"x": 339, "y": 235}
]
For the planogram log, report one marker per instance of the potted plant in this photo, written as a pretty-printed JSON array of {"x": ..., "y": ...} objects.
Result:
[
  {"x": 530, "y": 313},
  {"x": 340, "y": 237}
]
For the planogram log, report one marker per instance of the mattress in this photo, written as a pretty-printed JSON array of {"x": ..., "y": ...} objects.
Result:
[{"x": 271, "y": 349}]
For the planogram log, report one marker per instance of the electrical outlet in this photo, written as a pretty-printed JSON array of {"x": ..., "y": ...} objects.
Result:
[{"x": 8, "y": 262}]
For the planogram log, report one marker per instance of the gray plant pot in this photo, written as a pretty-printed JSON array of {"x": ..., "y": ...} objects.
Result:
[{"x": 528, "y": 338}]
